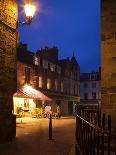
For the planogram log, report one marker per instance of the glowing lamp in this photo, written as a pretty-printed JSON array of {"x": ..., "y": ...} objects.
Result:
[{"x": 29, "y": 11}]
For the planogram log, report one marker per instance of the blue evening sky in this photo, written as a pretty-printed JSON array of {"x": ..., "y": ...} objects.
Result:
[{"x": 71, "y": 25}]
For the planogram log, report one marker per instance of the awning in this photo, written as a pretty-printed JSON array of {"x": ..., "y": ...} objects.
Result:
[{"x": 29, "y": 92}]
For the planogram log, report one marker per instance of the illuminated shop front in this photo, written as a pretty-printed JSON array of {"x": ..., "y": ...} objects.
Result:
[{"x": 27, "y": 99}]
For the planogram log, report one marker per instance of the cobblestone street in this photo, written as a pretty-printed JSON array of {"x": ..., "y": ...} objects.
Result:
[{"x": 32, "y": 137}]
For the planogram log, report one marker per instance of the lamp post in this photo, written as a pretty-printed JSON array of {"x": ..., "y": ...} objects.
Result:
[{"x": 29, "y": 9}]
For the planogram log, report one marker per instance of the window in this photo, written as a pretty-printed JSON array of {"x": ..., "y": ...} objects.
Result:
[
  {"x": 78, "y": 91},
  {"x": 52, "y": 67},
  {"x": 85, "y": 96},
  {"x": 55, "y": 68},
  {"x": 40, "y": 82},
  {"x": 27, "y": 75},
  {"x": 94, "y": 95},
  {"x": 49, "y": 66},
  {"x": 93, "y": 85},
  {"x": 85, "y": 85},
  {"x": 58, "y": 70},
  {"x": 36, "y": 62},
  {"x": 45, "y": 64},
  {"x": 74, "y": 89},
  {"x": 62, "y": 87},
  {"x": 26, "y": 104},
  {"x": 56, "y": 85},
  {"x": 41, "y": 62},
  {"x": 48, "y": 83},
  {"x": 93, "y": 77}
]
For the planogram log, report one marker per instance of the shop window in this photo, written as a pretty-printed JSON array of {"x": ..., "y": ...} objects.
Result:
[
  {"x": 26, "y": 104},
  {"x": 48, "y": 83}
]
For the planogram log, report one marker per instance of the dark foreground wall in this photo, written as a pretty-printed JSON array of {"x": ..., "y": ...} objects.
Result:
[
  {"x": 8, "y": 41},
  {"x": 108, "y": 58}
]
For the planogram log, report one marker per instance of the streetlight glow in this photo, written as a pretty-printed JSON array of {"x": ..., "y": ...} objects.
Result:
[{"x": 29, "y": 10}]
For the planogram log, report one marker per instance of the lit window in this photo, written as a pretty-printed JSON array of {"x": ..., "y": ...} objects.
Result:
[
  {"x": 48, "y": 83},
  {"x": 52, "y": 67},
  {"x": 40, "y": 82},
  {"x": 56, "y": 85},
  {"x": 36, "y": 62},
  {"x": 26, "y": 104}
]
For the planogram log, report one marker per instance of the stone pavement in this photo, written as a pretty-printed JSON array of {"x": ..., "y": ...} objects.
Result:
[{"x": 32, "y": 138}]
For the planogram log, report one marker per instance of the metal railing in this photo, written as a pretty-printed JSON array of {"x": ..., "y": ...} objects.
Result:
[{"x": 93, "y": 134}]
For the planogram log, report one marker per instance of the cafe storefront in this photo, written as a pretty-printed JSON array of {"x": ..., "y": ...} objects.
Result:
[{"x": 26, "y": 100}]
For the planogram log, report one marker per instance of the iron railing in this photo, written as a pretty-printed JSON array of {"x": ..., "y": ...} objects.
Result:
[{"x": 93, "y": 134}]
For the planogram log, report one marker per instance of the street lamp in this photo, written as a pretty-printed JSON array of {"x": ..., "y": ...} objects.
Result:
[{"x": 29, "y": 9}]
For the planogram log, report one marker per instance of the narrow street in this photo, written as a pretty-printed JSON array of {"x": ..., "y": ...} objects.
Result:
[{"x": 32, "y": 138}]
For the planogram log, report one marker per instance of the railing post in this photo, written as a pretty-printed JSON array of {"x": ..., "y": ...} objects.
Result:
[
  {"x": 94, "y": 134},
  {"x": 91, "y": 135},
  {"x": 98, "y": 138},
  {"x": 50, "y": 127},
  {"x": 76, "y": 133},
  {"x": 109, "y": 129},
  {"x": 103, "y": 127},
  {"x": 115, "y": 141}
]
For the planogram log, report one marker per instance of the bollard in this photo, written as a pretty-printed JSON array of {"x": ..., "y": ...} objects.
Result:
[{"x": 50, "y": 127}]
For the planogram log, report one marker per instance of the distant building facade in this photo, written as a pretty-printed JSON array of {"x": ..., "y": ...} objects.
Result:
[
  {"x": 108, "y": 54},
  {"x": 57, "y": 79},
  {"x": 90, "y": 89}
]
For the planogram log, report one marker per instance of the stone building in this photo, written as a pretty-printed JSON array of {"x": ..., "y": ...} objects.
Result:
[
  {"x": 108, "y": 54},
  {"x": 90, "y": 90},
  {"x": 8, "y": 42},
  {"x": 56, "y": 79}
]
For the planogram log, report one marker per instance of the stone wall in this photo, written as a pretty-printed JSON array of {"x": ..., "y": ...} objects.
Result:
[
  {"x": 108, "y": 57},
  {"x": 8, "y": 43},
  {"x": 8, "y": 37}
]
